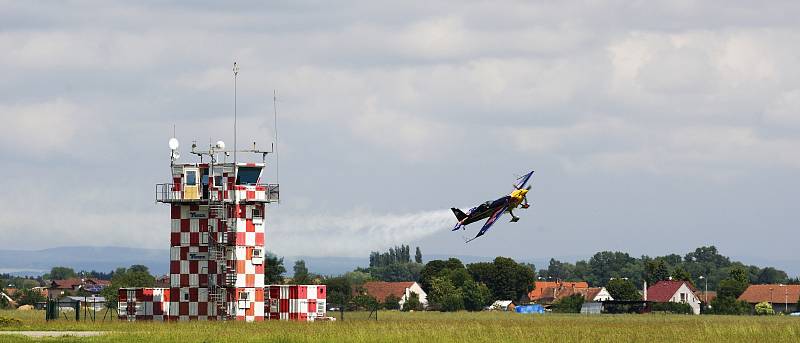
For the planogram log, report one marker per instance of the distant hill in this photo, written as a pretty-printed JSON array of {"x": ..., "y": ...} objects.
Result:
[{"x": 37, "y": 262}]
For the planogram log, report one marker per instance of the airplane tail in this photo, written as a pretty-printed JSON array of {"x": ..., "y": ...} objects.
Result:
[{"x": 459, "y": 214}]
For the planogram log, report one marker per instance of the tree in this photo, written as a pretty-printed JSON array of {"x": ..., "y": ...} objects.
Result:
[
  {"x": 340, "y": 290},
  {"x": 418, "y": 256},
  {"x": 135, "y": 276},
  {"x": 366, "y": 302},
  {"x": 764, "y": 308},
  {"x": 392, "y": 302},
  {"x": 506, "y": 278},
  {"x": 412, "y": 303},
  {"x": 300, "y": 273},
  {"x": 273, "y": 269},
  {"x": 476, "y": 295},
  {"x": 570, "y": 304},
  {"x": 430, "y": 271},
  {"x": 559, "y": 270},
  {"x": 681, "y": 274},
  {"x": 445, "y": 295},
  {"x": 60, "y": 273},
  {"x": 770, "y": 275},
  {"x": 729, "y": 305},
  {"x": 656, "y": 270},
  {"x": 30, "y": 297},
  {"x": 621, "y": 289}
]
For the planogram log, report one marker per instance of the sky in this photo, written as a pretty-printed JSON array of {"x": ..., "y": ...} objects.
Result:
[{"x": 653, "y": 127}]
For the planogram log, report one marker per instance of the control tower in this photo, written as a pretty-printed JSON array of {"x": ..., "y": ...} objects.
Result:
[{"x": 218, "y": 211}]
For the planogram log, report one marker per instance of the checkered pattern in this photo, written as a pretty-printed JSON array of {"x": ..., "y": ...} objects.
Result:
[
  {"x": 143, "y": 304},
  {"x": 191, "y": 303},
  {"x": 191, "y": 267},
  {"x": 191, "y": 225},
  {"x": 246, "y": 303},
  {"x": 295, "y": 302}
]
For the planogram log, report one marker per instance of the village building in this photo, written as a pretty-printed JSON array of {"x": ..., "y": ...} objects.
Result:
[
  {"x": 782, "y": 297},
  {"x": 545, "y": 292},
  {"x": 673, "y": 291},
  {"x": 59, "y": 288},
  {"x": 503, "y": 305},
  {"x": 590, "y": 294},
  {"x": 402, "y": 290}
]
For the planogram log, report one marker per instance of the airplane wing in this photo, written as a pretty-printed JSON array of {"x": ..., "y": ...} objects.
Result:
[
  {"x": 523, "y": 180},
  {"x": 496, "y": 215}
]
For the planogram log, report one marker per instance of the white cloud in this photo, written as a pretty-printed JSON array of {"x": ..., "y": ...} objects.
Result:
[{"x": 43, "y": 128}]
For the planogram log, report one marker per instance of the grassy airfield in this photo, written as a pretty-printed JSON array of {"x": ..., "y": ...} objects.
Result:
[{"x": 438, "y": 327}]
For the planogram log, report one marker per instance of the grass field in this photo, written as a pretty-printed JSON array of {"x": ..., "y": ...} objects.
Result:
[{"x": 439, "y": 327}]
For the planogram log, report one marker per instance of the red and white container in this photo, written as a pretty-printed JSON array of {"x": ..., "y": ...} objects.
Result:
[
  {"x": 143, "y": 304},
  {"x": 295, "y": 302}
]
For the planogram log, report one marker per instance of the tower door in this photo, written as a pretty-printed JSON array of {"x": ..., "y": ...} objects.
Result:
[{"x": 191, "y": 189}]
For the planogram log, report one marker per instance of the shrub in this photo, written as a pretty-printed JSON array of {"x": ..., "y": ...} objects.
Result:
[
  {"x": 764, "y": 308},
  {"x": 412, "y": 303},
  {"x": 392, "y": 302},
  {"x": 6, "y": 321},
  {"x": 679, "y": 308},
  {"x": 570, "y": 304}
]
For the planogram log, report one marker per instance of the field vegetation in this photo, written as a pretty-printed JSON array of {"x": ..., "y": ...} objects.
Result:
[{"x": 394, "y": 326}]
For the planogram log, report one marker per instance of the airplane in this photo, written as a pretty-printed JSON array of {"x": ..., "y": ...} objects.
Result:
[{"x": 494, "y": 209}]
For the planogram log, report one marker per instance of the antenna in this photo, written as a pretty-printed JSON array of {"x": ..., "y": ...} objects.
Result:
[
  {"x": 235, "y": 77},
  {"x": 275, "y": 147}
]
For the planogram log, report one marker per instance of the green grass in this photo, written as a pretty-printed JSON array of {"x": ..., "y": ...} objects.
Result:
[{"x": 441, "y": 327}]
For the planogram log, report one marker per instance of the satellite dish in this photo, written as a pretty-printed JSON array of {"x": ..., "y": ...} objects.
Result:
[
  {"x": 173, "y": 143},
  {"x": 220, "y": 145}
]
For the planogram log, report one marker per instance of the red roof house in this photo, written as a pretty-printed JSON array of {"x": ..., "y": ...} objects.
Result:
[
  {"x": 545, "y": 291},
  {"x": 673, "y": 291},
  {"x": 782, "y": 297},
  {"x": 402, "y": 290}
]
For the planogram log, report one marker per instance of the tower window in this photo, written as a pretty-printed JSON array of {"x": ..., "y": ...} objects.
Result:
[
  {"x": 248, "y": 175},
  {"x": 191, "y": 177}
]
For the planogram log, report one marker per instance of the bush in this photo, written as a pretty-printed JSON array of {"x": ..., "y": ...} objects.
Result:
[
  {"x": 729, "y": 305},
  {"x": 412, "y": 303},
  {"x": 391, "y": 302},
  {"x": 570, "y": 304},
  {"x": 679, "y": 308},
  {"x": 764, "y": 308},
  {"x": 5, "y": 321}
]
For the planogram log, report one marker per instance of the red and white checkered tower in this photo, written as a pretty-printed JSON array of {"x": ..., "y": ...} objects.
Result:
[{"x": 217, "y": 239}]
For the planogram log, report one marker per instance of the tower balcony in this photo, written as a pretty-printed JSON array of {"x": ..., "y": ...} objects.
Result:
[{"x": 179, "y": 193}]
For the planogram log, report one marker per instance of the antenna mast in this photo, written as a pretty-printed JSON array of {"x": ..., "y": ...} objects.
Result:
[{"x": 235, "y": 77}]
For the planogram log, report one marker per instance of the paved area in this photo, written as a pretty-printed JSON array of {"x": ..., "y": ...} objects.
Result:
[{"x": 40, "y": 334}]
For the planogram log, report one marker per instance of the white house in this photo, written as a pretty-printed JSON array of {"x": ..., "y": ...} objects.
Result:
[
  {"x": 673, "y": 291},
  {"x": 402, "y": 290}
]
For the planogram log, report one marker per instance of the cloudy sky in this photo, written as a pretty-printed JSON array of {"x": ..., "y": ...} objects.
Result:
[{"x": 652, "y": 127}]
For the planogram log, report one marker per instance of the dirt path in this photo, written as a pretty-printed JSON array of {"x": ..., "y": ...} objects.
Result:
[{"x": 40, "y": 334}]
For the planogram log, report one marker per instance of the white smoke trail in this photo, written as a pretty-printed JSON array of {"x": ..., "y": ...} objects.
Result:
[{"x": 354, "y": 233}]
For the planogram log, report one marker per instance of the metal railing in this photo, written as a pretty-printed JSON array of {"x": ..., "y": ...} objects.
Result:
[{"x": 165, "y": 192}]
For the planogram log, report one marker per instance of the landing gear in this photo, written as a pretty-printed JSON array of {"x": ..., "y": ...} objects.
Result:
[{"x": 514, "y": 219}]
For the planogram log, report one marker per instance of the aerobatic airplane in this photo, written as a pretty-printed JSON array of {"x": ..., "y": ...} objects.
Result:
[{"x": 494, "y": 209}]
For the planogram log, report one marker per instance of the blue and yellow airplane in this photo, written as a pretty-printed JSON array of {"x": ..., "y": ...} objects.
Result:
[{"x": 494, "y": 209}]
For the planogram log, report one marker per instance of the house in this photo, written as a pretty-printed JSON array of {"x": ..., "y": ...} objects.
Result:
[
  {"x": 402, "y": 290},
  {"x": 673, "y": 291},
  {"x": 57, "y": 288},
  {"x": 590, "y": 294},
  {"x": 782, "y": 297},
  {"x": 545, "y": 292},
  {"x": 502, "y": 305}
]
